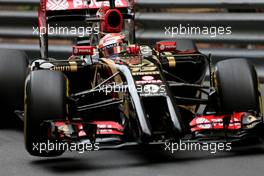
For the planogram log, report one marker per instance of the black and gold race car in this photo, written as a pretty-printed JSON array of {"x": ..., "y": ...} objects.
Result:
[{"x": 112, "y": 92}]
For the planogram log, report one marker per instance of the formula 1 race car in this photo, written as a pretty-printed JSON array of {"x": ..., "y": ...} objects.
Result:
[{"x": 115, "y": 92}]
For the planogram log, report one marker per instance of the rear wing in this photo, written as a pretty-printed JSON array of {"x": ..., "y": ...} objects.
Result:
[
  {"x": 61, "y": 8},
  {"x": 54, "y": 5}
]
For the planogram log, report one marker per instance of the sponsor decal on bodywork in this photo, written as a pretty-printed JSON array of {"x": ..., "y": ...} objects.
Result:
[
  {"x": 81, "y": 4},
  {"x": 213, "y": 122}
]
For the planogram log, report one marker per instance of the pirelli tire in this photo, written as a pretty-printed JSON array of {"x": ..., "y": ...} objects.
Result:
[
  {"x": 13, "y": 71},
  {"x": 237, "y": 84},
  {"x": 45, "y": 100}
]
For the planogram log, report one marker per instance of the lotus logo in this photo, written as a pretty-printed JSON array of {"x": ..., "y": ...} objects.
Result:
[{"x": 147, "y": 78}]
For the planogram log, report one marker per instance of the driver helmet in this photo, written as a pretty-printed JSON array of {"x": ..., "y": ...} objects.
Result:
[{"x": 112, "y": 44}]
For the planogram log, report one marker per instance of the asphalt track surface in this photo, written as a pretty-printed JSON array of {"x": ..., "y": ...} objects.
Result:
[{"x": 15, "y": 161}]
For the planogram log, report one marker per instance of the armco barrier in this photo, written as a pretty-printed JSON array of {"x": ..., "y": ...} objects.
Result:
[{"x": 153, "y": 17}]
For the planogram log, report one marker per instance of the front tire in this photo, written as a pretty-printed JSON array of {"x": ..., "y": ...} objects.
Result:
[
  {"x": 13, "y": 71},
  {"x": 45, "y": 99},
  {"x": 237, "y": 85}
]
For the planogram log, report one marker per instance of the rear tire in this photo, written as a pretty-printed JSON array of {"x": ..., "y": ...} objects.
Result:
[
  {"x": 45, "y": 99},
  {"x": 13, "y": 71},
  {"x": 237, "y": 85}
]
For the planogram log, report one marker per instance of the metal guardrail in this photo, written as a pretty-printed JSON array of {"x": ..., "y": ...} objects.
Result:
[
  {"x": 19, "y": 2},
  {"x": 247, "y": 28},
  {"x": 200, "y": 3},
  {"x": 20, "y": 24},
  {"x": 171, "y": 3}
]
